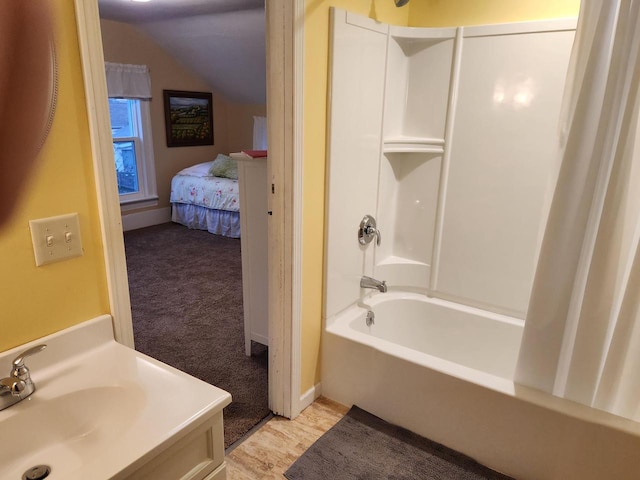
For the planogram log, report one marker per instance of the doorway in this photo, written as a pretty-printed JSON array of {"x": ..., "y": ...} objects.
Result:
[{"x": 284, "y": 325}]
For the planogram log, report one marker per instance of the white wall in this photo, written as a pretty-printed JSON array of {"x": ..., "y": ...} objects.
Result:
[
  {"x": 357, "y": 94},
  {"x": 448, "y": 137},
  {"x": 503, "y": 149}
]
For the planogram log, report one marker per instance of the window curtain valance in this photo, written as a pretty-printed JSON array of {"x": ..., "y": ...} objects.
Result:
[{"x": 128, "y": 81}]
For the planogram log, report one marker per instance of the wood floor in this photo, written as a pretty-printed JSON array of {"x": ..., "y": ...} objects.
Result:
[{"x": 271, "y": 450}]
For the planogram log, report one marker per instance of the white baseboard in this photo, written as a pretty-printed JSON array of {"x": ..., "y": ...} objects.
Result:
[
  {"x": 147, "y": 218},
  {"x": 309, "y": 396}
]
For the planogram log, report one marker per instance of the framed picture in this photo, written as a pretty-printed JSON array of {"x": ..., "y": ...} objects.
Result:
[{"x": 188, "y": 118}]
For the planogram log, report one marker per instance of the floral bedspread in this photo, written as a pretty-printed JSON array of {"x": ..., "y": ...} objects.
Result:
[{"x": 206, "y": 191}]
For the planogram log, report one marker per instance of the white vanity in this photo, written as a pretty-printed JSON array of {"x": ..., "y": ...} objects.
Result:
[{"x": 101, "y": 410}]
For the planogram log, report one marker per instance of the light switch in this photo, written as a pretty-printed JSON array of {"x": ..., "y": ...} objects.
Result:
[{"x": 56, "y": 238}]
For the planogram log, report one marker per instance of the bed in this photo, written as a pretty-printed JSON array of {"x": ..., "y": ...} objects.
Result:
[{"x": 203, "y": 201}]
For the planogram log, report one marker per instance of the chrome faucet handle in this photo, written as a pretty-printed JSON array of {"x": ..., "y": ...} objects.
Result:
[
  {"x": 367, "y": 230},
  {"x": 20, "y": 370},
  {"x": 12, "y": 385}
]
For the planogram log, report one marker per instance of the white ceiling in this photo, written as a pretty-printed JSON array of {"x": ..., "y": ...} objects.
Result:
[{"x": 223, "y": 41}]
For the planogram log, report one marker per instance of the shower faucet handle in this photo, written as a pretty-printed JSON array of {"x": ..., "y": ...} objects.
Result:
[
  {"x": 367, "y": 230},
  {"x": 374, "y": 231}
]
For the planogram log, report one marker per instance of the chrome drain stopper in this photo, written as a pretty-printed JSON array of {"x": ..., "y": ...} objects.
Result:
[{"x": 37, "y": 473}]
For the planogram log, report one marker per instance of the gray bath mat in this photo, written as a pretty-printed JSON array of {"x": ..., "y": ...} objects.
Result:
[{"x": 363, "y": 446}]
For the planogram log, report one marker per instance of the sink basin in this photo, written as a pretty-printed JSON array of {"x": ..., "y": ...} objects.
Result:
[
  {"x": 100, "y": 410},
  {"x": 65, "y": 429}
]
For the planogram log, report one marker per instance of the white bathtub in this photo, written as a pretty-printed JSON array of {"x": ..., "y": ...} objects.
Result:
[
  {"x": 444, "y": 371},
  {"x": 409, "y": 325}
]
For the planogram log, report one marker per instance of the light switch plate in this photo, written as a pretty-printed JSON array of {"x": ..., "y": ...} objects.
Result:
[{"x": 56, "y": 238}]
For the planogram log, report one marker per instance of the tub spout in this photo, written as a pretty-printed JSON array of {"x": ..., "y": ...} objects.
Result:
[{"x": 368, "y": 282}]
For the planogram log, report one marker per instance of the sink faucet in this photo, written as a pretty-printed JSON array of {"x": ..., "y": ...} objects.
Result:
[
  {"x": 368, "y": 282},
  {"x": 18, "y": 385}
]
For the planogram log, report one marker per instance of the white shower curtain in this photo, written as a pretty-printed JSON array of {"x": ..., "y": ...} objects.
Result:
[{"x": 582, "y": 333}]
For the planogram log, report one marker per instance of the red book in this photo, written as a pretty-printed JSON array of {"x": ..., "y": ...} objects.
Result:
[{"x": 255, "y": 153}]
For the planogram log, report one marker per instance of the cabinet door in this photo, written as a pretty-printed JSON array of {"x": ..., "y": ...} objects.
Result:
[{"x": 196, "y": 456}]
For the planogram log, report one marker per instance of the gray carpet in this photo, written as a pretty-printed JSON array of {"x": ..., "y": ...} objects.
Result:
[
  {"x": 363, "y": 446},
  {"x": 186, "y": 302}
]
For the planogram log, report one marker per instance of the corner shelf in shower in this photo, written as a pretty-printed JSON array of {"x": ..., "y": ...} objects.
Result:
[
  {"x": 413, "y": 145},
  {"x": 397, "y": 260},
  {"x": 397, "y": 270}
]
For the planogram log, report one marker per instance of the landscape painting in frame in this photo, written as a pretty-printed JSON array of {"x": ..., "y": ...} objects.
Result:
[{"x": 188, "y": 118}]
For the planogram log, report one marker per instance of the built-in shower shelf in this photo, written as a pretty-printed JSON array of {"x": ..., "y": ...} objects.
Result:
[
  {"x": 402, "y": 271},
  {"x": 413, "y": 145},
  {"x": 395, "y": 260},
  {"x": 415, "y": 35}
]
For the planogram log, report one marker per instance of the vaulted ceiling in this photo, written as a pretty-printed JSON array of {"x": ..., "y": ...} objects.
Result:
[{"x": 223, "y": 41}]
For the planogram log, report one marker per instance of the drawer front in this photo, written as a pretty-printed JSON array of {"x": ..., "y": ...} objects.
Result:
[
  {"x": 219, "y": 474},
  {"x": 193, "y": 457}
]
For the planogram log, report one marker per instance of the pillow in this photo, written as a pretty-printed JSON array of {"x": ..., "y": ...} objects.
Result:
[
  {"x": 199, "y": 170},
  {"x": 224, "y": 166}
]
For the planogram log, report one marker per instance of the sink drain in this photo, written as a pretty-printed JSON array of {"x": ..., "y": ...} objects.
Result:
[{"x": 37, "y": 473}]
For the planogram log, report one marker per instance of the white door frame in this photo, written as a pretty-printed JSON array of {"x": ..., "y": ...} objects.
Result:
[
  {"x": 285, "y": 54},
  {"x": 95, "y": 83},
  {"x": 285, "y": 22}
]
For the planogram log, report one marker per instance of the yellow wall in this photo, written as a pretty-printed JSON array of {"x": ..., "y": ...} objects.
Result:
[
  {"x": 416, "y": 13},
  {"x": 451, "y": 13},
  {"x": 316, "y": 64},
  {"x": 37, "y": 301}
]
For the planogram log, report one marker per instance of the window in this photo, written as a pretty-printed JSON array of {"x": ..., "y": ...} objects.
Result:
[
  {"x": 259, "y": 133},
  {"x": 132, "y": 151}
]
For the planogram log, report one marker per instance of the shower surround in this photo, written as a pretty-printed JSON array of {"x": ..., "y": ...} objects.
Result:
[{"x": 448, "y": 137}]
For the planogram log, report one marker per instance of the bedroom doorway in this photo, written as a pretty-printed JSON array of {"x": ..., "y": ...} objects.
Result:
[
  {"x": 284, "y": 358},
  {"x": 186, "y": 291}
]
